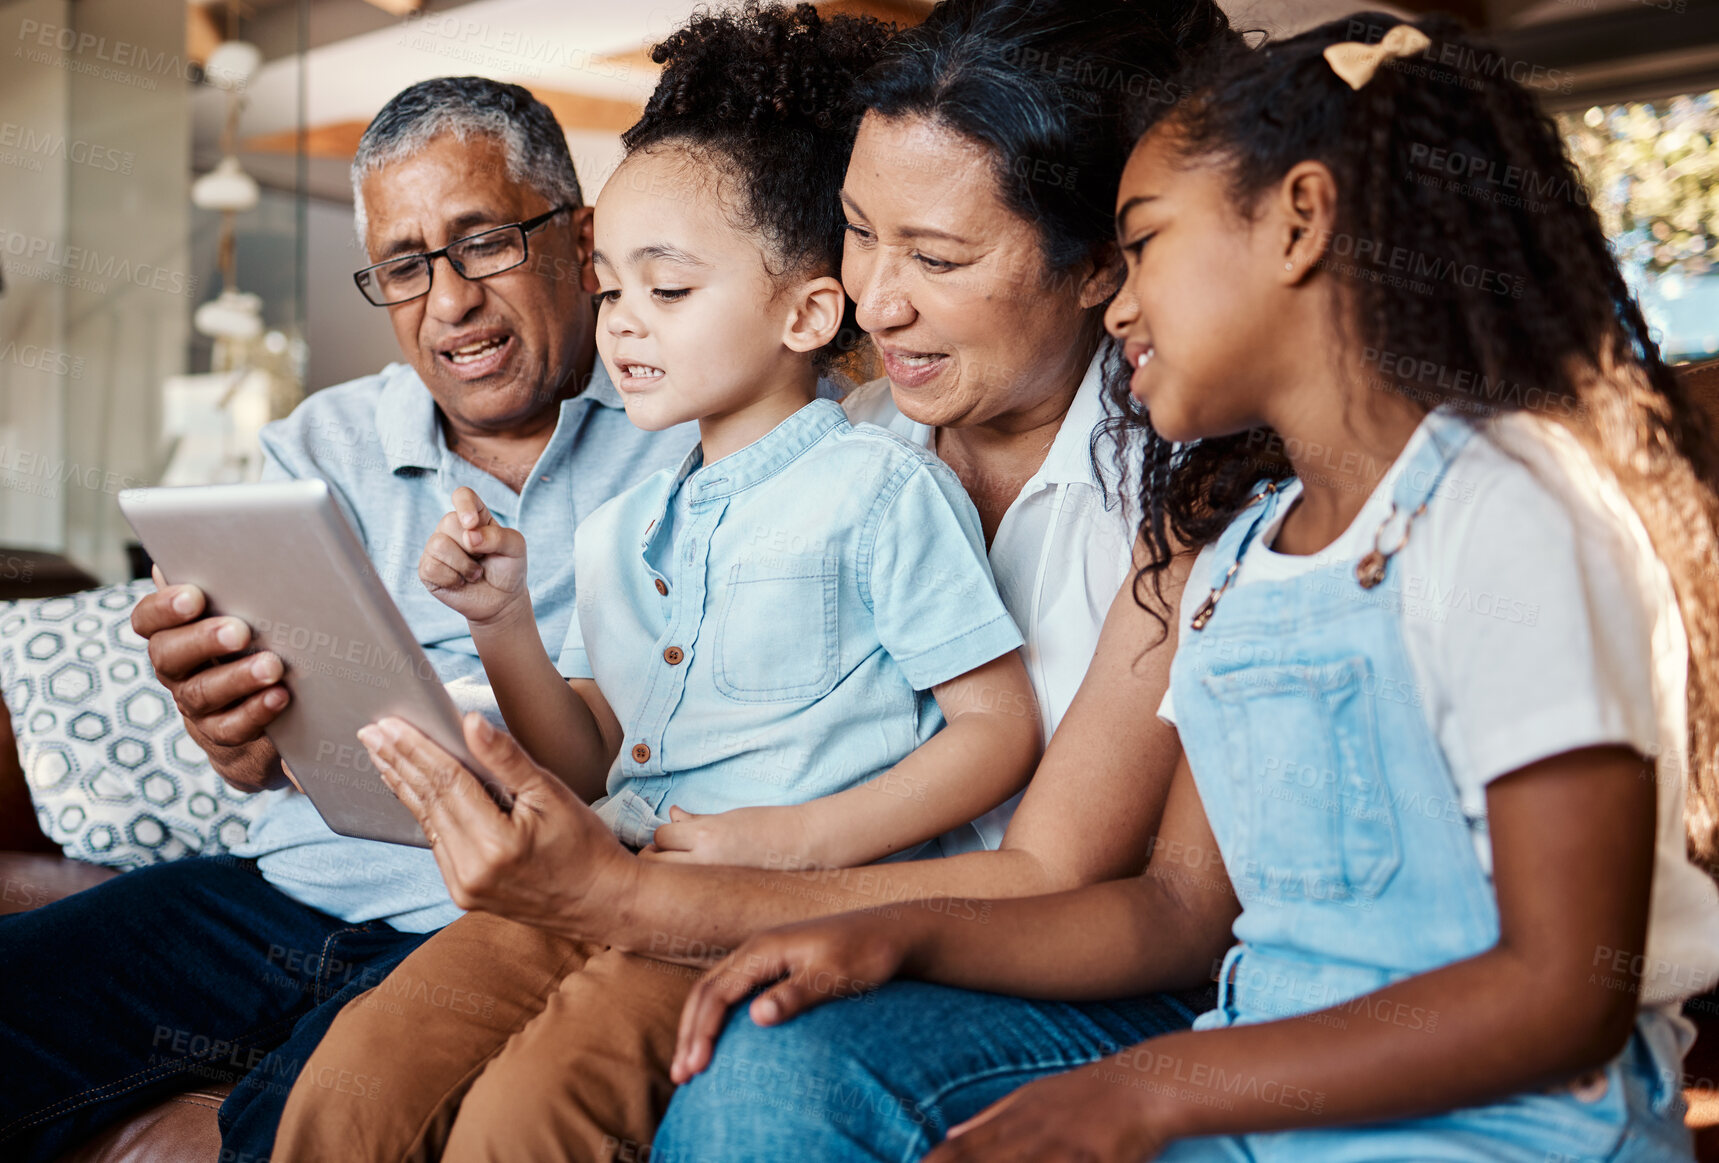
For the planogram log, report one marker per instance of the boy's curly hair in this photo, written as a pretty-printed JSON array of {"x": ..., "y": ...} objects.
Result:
[{"x": 765, "y": 93}]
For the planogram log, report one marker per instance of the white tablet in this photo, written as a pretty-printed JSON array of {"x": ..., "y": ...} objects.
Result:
[{"x": 281, "y": 557}]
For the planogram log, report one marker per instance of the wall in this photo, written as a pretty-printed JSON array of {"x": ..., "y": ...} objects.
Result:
[
  {"x": 348, "y": 337},
  {"x": 34, "y": 366},
  {"x": 94, "y": 213}
]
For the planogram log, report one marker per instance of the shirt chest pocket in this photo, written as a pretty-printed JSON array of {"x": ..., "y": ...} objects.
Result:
[
  {"x": 1309, "y": 792},
  {"x": 776, "y": 632}
]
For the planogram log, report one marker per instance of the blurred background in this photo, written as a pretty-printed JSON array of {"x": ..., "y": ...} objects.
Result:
[{"x": 176, "y": 224}]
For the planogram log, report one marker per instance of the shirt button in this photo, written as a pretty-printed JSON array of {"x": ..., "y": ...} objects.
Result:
[
  {"x": 641, "y": 753},
  {"x": 662, "y": 586},
  {"x": 672, "y": 656}
]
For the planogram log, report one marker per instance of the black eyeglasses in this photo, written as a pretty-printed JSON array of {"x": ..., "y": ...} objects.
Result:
[{"x": 476, "y": 256}]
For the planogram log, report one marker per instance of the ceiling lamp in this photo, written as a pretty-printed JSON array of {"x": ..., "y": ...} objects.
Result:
[
  {"x": 230, "y": 315},
  {"x": 227, "y": 187},
  {"x": 233, "y": 64}
]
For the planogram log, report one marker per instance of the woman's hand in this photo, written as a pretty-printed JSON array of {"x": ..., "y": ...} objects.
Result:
[
  {"x": 750, "y": 837},
  {"x": 811, "y": 963},
  {"x": 548, "y": 861},
  {"x": 1096, "y": 1114},
  {"x": 475, "y": 565}
]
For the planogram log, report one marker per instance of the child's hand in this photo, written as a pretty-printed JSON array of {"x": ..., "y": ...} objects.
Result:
[
  {"x": 1092, "y": 1113},
  {"x": 752, "y": 837},
  {"x": 474, "y": 564},
  {"x": 804, "y": 965}
]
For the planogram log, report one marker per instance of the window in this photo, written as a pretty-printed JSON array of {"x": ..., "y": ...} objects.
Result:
[{"x": 1653, "y": 170}]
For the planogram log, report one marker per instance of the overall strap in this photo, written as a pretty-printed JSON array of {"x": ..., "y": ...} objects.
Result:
[
  {"x": 1448, "y": 432},
  {"x": 1232, "y": 547},
  {"x": 1417, "y": 483}
]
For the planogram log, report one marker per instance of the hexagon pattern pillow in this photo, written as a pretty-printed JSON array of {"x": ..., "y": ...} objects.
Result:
[{"x": 114, "y": 776}]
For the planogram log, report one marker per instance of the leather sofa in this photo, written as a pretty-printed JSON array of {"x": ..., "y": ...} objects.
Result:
[
  {"x": 183, "y": 1129},
  {"x": 32, "y": 874}
]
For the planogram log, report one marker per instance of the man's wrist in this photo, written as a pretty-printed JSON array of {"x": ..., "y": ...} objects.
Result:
[{"x": 253, "y": 766}]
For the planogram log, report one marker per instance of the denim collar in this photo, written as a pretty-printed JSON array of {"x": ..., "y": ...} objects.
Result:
[
  {"x": 760, "y": 460},
  {"x": 752, "y": 465},
  {"x": 411, "y": 432}
]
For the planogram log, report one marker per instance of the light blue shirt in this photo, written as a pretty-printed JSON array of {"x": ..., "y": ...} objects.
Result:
[
  {"x": 767, "y": 628},
  {"x": 378, "y": 443}
]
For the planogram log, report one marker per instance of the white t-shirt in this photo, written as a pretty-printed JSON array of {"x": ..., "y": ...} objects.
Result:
[
  {"x": 1060, "y": 555},
  {"x": 1537, "y": 620}
]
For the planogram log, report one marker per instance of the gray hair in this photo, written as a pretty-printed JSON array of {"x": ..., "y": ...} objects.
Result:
[{"x": 468, "y": 107}]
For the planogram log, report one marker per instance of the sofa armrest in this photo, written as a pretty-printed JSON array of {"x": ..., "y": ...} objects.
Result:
[
  {"x": 31, "y": 880},
  {"x": 18, "y": 830}
]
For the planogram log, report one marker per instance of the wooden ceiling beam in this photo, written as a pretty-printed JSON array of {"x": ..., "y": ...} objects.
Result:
[
  {"x": 202, "y": 33},
  {"x": 399, "y": 7},
  {"x": 576, "y": 111},
  {"x": 338, "y": 140}
]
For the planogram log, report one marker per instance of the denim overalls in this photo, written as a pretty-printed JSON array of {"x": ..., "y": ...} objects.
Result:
[{"x": 1342, "y": 832}]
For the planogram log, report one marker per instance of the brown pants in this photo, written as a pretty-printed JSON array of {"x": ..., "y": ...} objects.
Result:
[{"x": 494, "y": 1041}]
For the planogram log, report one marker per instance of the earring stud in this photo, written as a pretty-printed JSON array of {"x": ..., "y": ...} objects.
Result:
[{"x": 1288, "y": 266}]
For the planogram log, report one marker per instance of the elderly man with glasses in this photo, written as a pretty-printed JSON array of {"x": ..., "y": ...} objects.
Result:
[{"x": 223, "y": 967}]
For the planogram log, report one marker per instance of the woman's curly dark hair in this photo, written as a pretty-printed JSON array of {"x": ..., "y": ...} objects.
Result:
[
  {"x": 766, "y": 94},
  {"x": 1519, "y": 304}
]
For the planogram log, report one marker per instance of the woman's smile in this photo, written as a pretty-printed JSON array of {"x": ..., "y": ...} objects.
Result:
[{"x": 911, "y": 369}]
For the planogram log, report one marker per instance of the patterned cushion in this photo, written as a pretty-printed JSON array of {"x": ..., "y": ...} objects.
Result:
[{"x": 114, "y": 776}]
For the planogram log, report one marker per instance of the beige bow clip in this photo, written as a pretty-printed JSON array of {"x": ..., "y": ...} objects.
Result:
[{"x": 1356, "y": 62}]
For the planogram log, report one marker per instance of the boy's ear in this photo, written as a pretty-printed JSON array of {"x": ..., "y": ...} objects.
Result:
[
  {"x": 1306, "y": 210},
  {"x": 815, "y": 312}
]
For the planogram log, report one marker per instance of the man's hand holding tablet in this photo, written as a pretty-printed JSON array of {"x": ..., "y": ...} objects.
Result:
[
  {"x": 227, "y": 702},
  {"x": 281, "y": 565}
]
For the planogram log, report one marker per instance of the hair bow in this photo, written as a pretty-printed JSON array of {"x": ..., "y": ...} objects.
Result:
[{"x": 1356, "y": 62}]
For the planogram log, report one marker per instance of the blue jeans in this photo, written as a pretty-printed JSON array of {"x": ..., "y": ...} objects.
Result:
[
  {"x": 193, "y": 971},
  {"x": 884, "y": 1077}
]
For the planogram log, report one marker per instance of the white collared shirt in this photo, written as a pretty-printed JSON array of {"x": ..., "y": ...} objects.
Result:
[{"x": 1059, "y": 556}]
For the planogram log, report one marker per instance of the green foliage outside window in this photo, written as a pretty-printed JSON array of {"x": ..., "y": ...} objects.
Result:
[{"x": 1653, "y": 170}]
